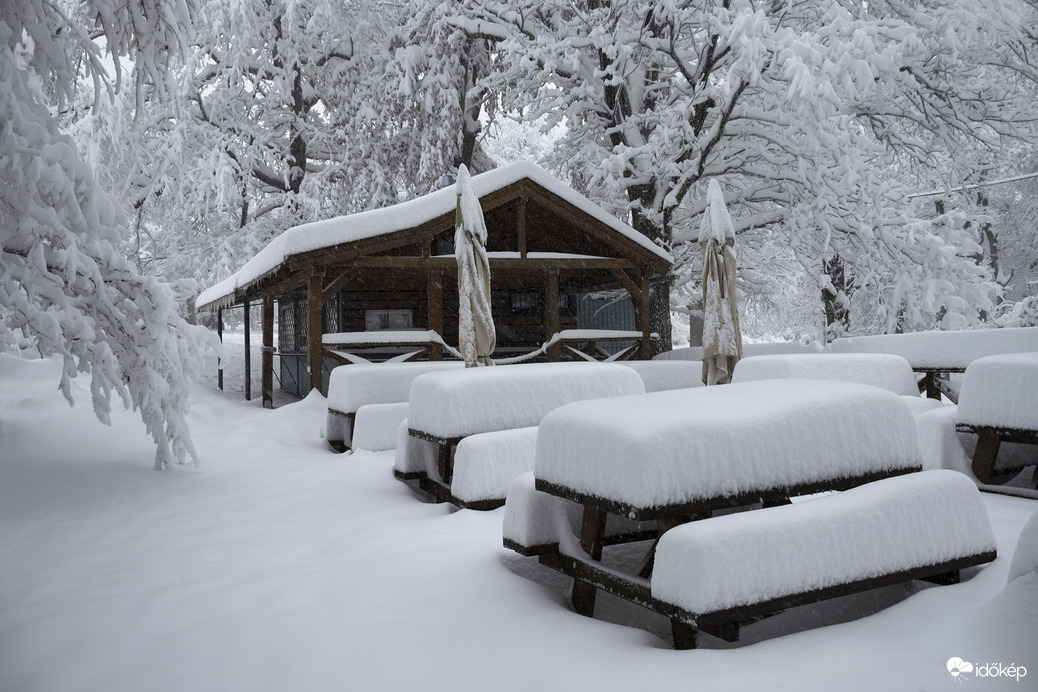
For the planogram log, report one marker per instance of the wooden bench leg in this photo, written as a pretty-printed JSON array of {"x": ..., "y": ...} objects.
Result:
[
  {"x": 684, "y": 634},
  {"x": 663, "y": 525},
  {"x": 985, "y": 454},
  {"x": 592, "y": 536},
  {"x": 930, "y": 385}
]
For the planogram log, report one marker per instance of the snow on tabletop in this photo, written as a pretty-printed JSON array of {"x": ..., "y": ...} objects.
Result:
[
  {"x": 353, "y": 386},
  {"x": 688, "y": 444},
  {"x": 955, "y": 349},
  {"x": 384, "y": 336},
  {"x": 1001, "y": 391},
  {"x": 376, "y": 426},
  {"x": 883, "y": 527},
  {"x": 748, "y": 349},
  {"x": 1025, "y": 559},
  {"x": 878, "y": 369},
  {"x": 660, "y": 375},
  {"x": 368, "y": 224},
  {"x": 485, "y": 464},
  {"x": 474, "y": 400}
]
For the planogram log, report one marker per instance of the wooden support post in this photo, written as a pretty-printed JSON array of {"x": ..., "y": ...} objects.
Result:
[
  {"x": 267, "y": 359},
  {"x": 248, "y": 352},
  {"x": 314, "y": 326},
  {"x": 219, "y": 335},
  {"x": 522, "y": 227},
  {"x": 444, "y": 462},
  {"x": 646, "y": 351},
  {"x": 551, "y": 311},
  {"x": 930, "y": 383},
  {"x": 592, "y": 536},
  {"x": 985, "y": 454},
  {"x": 436, "y": 310}
]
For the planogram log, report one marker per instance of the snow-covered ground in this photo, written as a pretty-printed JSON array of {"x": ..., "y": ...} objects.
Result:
[{"x": 278, "y": 565}]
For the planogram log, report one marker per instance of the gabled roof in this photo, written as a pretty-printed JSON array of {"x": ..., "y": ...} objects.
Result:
[{"x": 345, "y": 230}]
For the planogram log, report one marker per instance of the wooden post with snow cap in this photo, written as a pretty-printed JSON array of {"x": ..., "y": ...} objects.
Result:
[
  {"x": 247, "y": 325},
  {"x": 314, "y": 327}
]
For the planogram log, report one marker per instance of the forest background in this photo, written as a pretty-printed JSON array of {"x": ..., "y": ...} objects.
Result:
[{"x": 877, "y": 158}]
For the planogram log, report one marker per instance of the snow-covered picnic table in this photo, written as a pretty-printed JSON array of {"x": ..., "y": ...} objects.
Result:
[
  {"x": 452, "y": 410},
  {"x": 666, "y": 458},
  {"x": 999, "y": 403}
]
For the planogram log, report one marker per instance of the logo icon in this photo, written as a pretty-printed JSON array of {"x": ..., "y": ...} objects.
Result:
[{"x": 957, "y": 667}]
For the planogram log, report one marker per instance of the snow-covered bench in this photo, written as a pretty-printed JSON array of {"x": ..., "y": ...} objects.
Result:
[
  {"x": 667, "y": 457},
  {"x": 714, "y": 575},
  {"x": 999, "y": 402},
  {"x": 659, "y": 375},
  {"x": 447, "y": 408},
  {"x": 352, "y": 386}
]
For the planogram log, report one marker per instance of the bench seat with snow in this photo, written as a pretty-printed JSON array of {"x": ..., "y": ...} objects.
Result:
[
  {"x": 352, "y": 386},
  {"x": 719, "y": 574},
  {"x": 463, "y": 444},
  {"x": 673, "y": 456},
  {"x": 999, "y": 403}
]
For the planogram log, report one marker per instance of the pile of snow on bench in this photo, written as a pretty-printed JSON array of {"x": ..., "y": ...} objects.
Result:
[{"x": 886, "y": 527}]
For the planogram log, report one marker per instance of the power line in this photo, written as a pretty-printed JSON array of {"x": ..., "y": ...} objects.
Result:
[{"x": 974, "y": 186}]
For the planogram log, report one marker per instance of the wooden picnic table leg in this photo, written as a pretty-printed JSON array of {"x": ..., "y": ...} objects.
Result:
[
  {"x": 592, "y": 536},
  {"x": 444, "y": 463},
  {"x": 663, "y": 525},
  {"x": 984, "y": 456},
  {"x": 930, "y": 382}
]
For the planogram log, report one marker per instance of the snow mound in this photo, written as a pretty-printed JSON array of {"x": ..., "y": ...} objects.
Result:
[
  {"x": 691, "y": 444},
  {"x": 353, "y": 386},
  {"x": 954, "y": 349},
  {"x": 376, "y": 426},
  {"x": 878, "y": 369},
  {"x": 1025, "y": 559},
  {"x": 880, "y": 528},
  {"x": 475, "y": 400},
  {"x": 485, "y": 464},
  {"x": 661, "y": 375}
]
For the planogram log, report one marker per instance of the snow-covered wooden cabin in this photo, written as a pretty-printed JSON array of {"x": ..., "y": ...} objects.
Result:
[{"x": 550, "y": 249}]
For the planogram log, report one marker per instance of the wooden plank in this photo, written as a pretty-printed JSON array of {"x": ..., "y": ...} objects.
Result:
[
  {"x": 551, "y": 311},
  {"x": 715, "y": 503},
  {"x": 219, "y": 335},
  {"x": 522, "y": 227},
  {"x": 435, "y": 300},
  {"x": 645, "y": 350}
]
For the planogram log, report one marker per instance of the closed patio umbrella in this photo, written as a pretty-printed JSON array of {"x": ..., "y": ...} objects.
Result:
[
  {"x": 476, "y": 335},
  {"x": 722, "y": 339}
]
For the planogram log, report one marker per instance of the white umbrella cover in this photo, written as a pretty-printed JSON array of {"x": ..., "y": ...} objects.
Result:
[
  {"x": 722, "y": 339},
  {"x": 476, "y": 335}
]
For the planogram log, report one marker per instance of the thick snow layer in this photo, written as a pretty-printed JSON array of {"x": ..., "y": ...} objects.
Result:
[
  {"x": 277, "y": 565},
  {"x": 475, "y": 400},
  {"x": 955, "y": 349},
  {"x": 384, "y": 336},
  {"x": 877, "y": 369},
  {"x": 1025, "y": 559},
  {"x": 888, "y": 526},
  {"x": 377, "y": 425},
  {"x": 687, "y": 444},
  {"x": 353, "y": 386},
  {"x": 485, "y": 464},
  {"x": 660, "y": 375},
  {"x": 1001, "y": 391},
  {"x": 368, "y": 224}
]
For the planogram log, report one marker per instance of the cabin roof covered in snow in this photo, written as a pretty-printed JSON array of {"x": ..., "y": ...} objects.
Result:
[{"x": 327, "y": 234}]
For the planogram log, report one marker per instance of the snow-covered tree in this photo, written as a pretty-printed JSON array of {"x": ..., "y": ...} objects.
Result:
[
  {"x": 65, "y": 289},
  {"x": 801, "y": 109}
]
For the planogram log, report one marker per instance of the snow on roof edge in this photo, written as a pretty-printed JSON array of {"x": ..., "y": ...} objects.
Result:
[{"x": 315, "y": 235}]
